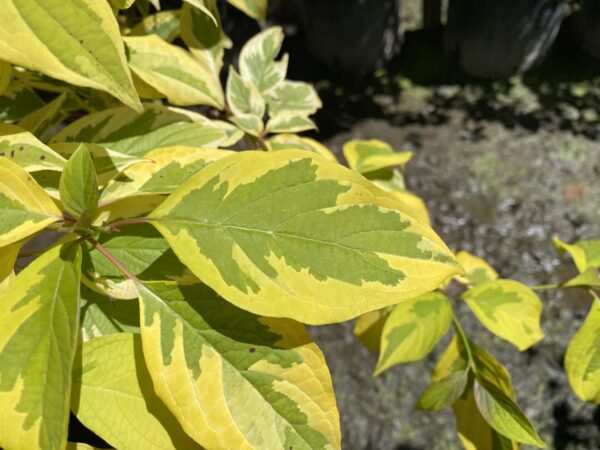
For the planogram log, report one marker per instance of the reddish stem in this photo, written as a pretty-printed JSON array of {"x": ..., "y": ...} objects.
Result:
[{"x": 113, "y": 260}]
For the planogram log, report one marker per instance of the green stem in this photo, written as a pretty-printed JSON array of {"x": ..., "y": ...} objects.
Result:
[
  {"x": 544, "y": 287},
  {"x": 113, "y": 260},
  {"x": 465, "y": 341}
]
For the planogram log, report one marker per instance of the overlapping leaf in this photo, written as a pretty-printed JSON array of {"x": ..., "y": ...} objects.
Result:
[
  {"x": 24, "y": 149},
  {"x": 295, "y": 98},
  {"x": 268, "y": 231},
  {"x": 163, "y": 171},
  {"x": 164, "y": 24},
  {"x": 372, "y": 155},
  {"x": 257, "y": 9},
  {"x": 5, "y": 75},
  {"x": 76, "y": 41},
  {"x": 235, "y": 380},
  {"x": 243, "y": 97},
  {"x": 582, "y": 360},
  {"x": 204, "y": 36},
  {"x": 477, "y": 270},
  {"x": 585, "y": 254},
  {"x": 173, "y": 72},
  {"x": 78, "y": 185},
  {"x": 113, "y": 396},
  {"x": 412, "y": 329},
  {"x": 143, "y": 251},
  {"x": 24, "y": 206},
  {"x": 293, "y": 141},
  {"x": 369, "y": 326},
  {"x": 508, "y": 309},
  {"x": 289, "y": 123},
  {"x": 101, "y": 316},
  {"x": 18, "y": 100},
  {"x": 41, "y": 120},
  {"x": 38, "y": 336}
]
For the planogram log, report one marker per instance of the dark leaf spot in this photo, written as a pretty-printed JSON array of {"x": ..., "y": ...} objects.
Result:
[
  {"x": 21, "y": 148},
  {"x": 251, "y": 349},
  {"x": 12, "y": 153},
  {"x": 42, "y": 157}
]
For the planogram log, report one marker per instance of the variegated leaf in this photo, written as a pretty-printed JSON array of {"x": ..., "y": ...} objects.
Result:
[
  {"x": 101, "y": 316},
  {"x": 372, "y": 155},
  {"x": 203, "y": 36},
  {"x": 257, "y": 9},
  {"x": 473, "y": 430},
  {"x": 40, "y": 121},
  {"x": 582, "y": 360},
  {"x": 173, "y": 72},
  {"x": 143, "y": 251},
  {"x": 291, "y": 234},
  {"x": 107, "y": 163},
  {"x": 5, "y": 75},
  {"x": 236, "y": 380},
  {"x": 127, "y": 208},
  {"x": 243, "y": 97},
  {"x": 369, "y": 326},
  {"x": 412, "y": 329},
  {"x": 25, "y": 208},
  {"x": 293, "y": 97},
  {"x": 38, "y": 337},
  {"x": 585, "y": 254},
  {"x": 293, "y": 141},
  {"x": 257, "y": 60},
  {"x": 477, "y": 270},
  {"x": 76, "y": 41},
  {"x": 8, "y": 257},
  {"x": 201, "y": 5},
  {"x": 249, "y": 123},
  {"x": 113, "y": 396},
  {"x": 508, "y": 309},
  {"x": 289, "y": 123},
  {"x": 115, "y": 124},
  {"x": 164, "y": 171},
  {"x": 412, "y": 204},
  {"x": 122, "y": 4},
  {"x": 24, "y": 149},
  {"x": 164, "y": 24}
]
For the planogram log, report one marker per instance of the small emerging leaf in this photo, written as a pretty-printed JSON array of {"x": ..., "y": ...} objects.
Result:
[
  {"x": 243, "y": 97},
  {"x": 257, "y": 60},
  {"x": 477, "y": 270},
  {"x": 369, "y": 326},
  {"x": 372, "y": 155},
  {"x": 293, "y": 141},
  {"x": 293, "y": 97},
  {"x": 585, "y": 254},
  {"x": 79, "y": 185}
]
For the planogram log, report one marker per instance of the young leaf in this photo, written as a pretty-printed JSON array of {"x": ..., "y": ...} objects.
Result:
[
  {"x": 173, "y": 72},
  {"x": 257, "y": 9},
  {"x": 293, "y": 141},
  {"x": 164, "y": 24},
  {"x": 585, "y": 254},
  {"x": 236, "y": 380},
  {"x": 503, "y": 414},
  {"x": 203, "y": 37},
  {"x": 257, "y": 60},
  {"x": 24, "y": 149},
  {"x": 508, "y": 309},
  {"x": 289, "y": 123},
  {"x": 163, "y": 171},
  {"x": 113, "y": 396},
  {"x": 107, "y": 163},
  {"x": 582, "y": 360},
  {"x": 473, "y": 431},
  {"x": 243, "y": 97},
  {"x": 274, "y": 226},
  {"x": 38, "y": 337},
  {"x": 39, "y": 121},
  {"x": 369, "y": 326},
  {"x": 369, "y": 156},
  {"x": 79, "y": 185},
  {"x": 127, "y": 208},
  {"x": 201, "y": 5},
  {"x": 76, "y": 41},
  {"x": 412, "y": 329},
  {"x": 18, "y": 100},
  {"x": 25, "y": 208},
  {"x": 8, "y": 257},
  {"x": 477, "y": 270},
  {"x": 101, "y": 316},
  {"x": 293, "y": 97},
  {"x": 249, "y": 123}
]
